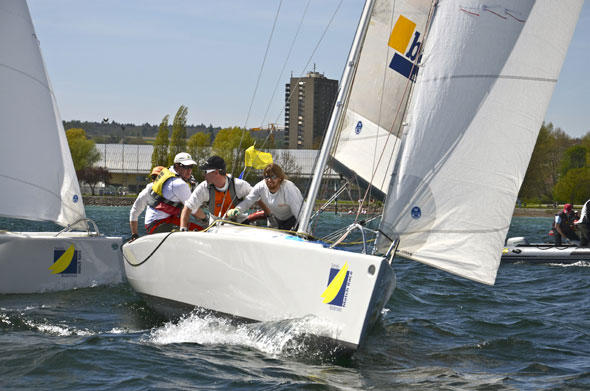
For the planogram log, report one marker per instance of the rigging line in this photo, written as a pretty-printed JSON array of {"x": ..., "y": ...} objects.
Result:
[
  {"x": 305, "y": 67},
  {"x": 152, "y": 253},
  {"x": 277, "y": 83},
  {"x": 323, "y": 35},
  {"x": 375, "y": 165},
  {"x": 263, "y": 63},
  {"x": 387, "y": 54},
  {"x": 315, "y": 48},
  {"x": 408, "y": 87},
  {"x": 64, "y": 204},
  {"x": 27, "y": 75},
  {"x": 258, "y": 81},
  {"x": 491, "y": 76}
]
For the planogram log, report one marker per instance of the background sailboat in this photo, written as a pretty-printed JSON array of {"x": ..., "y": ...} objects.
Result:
[{"x": 38, "y": 177}]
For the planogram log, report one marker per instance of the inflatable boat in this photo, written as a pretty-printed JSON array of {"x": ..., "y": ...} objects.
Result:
[{"x": 520, "y": 250}]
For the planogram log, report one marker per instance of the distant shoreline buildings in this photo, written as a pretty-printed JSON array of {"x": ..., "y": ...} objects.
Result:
[{"x": 130, "y": 164}]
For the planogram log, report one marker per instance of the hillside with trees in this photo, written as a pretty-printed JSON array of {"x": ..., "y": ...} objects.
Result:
[
  {"x": 112, "y": 132},
  {"x": 559, "y": 169}
]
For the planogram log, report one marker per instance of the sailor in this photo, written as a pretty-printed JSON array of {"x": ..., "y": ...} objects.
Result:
[
  {"x": 583, "y": 224},
  {"x": 141, "y": 203},
  {"x": 563, "y": 225},
  {"x": 282, "y": 199},
  {"x": 169, "y": 192},
  {"x": 220, "y": 191}
]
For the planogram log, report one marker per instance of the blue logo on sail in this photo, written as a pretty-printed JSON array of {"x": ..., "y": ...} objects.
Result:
[
  {"x": 403, "y": 61},
  {"x": 416, "y": 212},
  {"x": 358, "y": 128},
  {"x": 75, "y": 198}
]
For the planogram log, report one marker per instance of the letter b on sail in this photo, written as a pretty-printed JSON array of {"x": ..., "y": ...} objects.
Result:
[{"x": 399, "y": 40}]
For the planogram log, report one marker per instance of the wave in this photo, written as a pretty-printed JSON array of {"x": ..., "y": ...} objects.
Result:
[{"x": 285, "y": 338}]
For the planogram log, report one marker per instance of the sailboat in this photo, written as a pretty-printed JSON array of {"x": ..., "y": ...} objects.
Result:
[
  {"x": 38, "y": 177},
  {"x": 439, "y": 108}
]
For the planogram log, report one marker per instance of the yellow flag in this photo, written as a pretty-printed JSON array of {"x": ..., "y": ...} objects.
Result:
[{"x": 257, "y": 159}]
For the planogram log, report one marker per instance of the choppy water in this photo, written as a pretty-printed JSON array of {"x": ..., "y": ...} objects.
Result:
[{"x": 529, "y": 331}]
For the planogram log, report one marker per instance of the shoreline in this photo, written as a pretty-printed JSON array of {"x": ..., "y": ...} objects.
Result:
[{"x": 128, "y": 201}]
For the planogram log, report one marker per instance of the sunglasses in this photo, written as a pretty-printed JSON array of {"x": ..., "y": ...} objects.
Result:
[
  {"x": 154, "y": 177},
  {"x": 273, "y": 177}
]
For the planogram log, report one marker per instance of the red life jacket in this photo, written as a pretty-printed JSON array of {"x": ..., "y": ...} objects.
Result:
[{"x": 157, "y": 199}]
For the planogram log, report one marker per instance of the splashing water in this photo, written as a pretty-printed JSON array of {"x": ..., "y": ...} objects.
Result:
[{"x": 280, "y": 338}]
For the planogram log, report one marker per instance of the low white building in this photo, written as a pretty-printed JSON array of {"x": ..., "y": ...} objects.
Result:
[{"x": 130, "y": 164}]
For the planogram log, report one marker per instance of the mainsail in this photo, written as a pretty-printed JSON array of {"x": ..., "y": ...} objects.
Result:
[
  {"x": 36, "y": 168},
  {"x": 486, "y": 78},
  {"x": 368, "y": 135}
]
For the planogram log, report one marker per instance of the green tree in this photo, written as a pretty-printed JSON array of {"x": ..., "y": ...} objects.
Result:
[
  {"x": 160, "y": 153},
  {"x": 573, "y": 187},
  {"x": 198, "y": 146},
  {"x": 93, "y": 175},
  {"x": 574, "y": 157},
  {"x": 230, "y": 144},
  {"x": 178, "y": 139},
  {"x": 585, "y": 142},
  {"x": 83, "y": 150},
  {"x": 544, "y": 166}
]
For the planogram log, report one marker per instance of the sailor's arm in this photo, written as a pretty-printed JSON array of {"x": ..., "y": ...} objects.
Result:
[
  {"x": 193, "y": 203},
  {"x": 138, "y": 206},
  {"x": 184, "y": 217},
  {"x": 200, "y": 214},
  {"x": 263, "y": 206},
  {"x": 558, "y": 227}
]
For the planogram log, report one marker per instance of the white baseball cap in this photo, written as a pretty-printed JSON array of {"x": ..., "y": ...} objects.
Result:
[{"x": 185, "y": 159}]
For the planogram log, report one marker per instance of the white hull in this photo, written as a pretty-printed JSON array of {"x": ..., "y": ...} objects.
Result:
[
  {"x": 261, "y": 275},
  {"x": 545, "y": 253},
  {"x": 27, "y": 261}
]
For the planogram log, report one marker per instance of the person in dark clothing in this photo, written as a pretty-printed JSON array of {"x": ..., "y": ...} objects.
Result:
[
  {"x": 563, "y": 225},
  {"x": 583, "y": 224}
]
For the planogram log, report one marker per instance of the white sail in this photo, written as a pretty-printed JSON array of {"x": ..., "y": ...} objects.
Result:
[
  {"x": 369, "y": 132},
  {"x": 487, "y": 75},
  {"x": 36, "y": 169}
]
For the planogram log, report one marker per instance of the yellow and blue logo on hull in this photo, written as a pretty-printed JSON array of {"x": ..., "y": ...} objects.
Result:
[
  {"x": 403, "y": 61},
  {"x": 338, "y": 282},
  {"x": 65, "y": 261}
]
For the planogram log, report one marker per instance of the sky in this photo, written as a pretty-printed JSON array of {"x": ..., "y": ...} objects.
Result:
[{"x": 135, "y": 61}]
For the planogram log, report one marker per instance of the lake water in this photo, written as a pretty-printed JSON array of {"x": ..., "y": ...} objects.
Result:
[{"x": 530, "y": 331}]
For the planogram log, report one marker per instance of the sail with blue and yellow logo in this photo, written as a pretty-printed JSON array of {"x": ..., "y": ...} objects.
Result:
[{"x": 387, "y": 70}]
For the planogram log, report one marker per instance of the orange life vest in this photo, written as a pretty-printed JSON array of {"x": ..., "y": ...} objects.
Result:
[{"x": 221, "y": 201}]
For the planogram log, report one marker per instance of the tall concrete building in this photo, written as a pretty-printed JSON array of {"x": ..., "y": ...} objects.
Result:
[{"x": 308, "y": 105}]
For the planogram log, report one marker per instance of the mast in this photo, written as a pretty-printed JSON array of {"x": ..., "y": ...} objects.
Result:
[{"x": 343, "y": 94}]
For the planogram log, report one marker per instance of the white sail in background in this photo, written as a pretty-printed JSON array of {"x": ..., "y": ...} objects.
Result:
[
  {"x": 369, "y": 132},
  {"x": 36, "y": 169},
  {"x": 487, "y": 75}
]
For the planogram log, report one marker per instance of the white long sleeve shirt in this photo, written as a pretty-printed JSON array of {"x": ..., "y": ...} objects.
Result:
[
  {"x": 286, "y": 202},
  {"x": 140, "y": 203}
]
